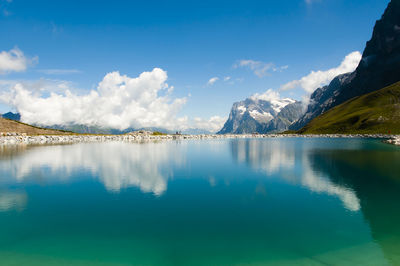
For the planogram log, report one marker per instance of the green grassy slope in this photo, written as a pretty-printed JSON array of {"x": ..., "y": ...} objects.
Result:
[
  {"x": 375, "y": 112},
  {"x": 7, "y": 125}
]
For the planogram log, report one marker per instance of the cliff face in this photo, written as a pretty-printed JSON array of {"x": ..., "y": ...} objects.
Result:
[
  {"x": 380, "y": 63},
  {"x": 379, "y": 68}
]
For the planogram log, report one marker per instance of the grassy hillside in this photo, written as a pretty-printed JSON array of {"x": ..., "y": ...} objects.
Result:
[
  {"x": 7, "y": 125},
  {"x": 375, "y": 112}
]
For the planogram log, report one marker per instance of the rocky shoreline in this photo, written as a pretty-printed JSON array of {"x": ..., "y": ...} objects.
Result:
[
  {"x": 13, "y": 138},
  {"x": 394, "y": 140}
]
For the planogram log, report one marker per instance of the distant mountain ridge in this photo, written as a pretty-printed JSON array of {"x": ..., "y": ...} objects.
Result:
[
  {"x": 379, "y": 67},
  {"x": 84, "y": 129},
  {"x": 12, "y": 116},
  {"x": 261, "y": 116}
]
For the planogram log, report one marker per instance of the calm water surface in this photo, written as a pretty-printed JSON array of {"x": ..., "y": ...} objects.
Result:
[{"x": 219, "y": 202}]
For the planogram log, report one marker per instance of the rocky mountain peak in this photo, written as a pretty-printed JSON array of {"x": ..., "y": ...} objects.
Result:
[
  {"x": 386, "y": 35},
  {"x": 255, "y": 115},
  {"x": 378, "y": 68}
]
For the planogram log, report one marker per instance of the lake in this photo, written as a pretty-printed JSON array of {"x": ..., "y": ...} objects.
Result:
[{"x": 283, "y": 201}]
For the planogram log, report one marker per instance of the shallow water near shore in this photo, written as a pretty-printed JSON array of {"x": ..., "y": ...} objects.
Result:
[{"x": 285, "y": 201}]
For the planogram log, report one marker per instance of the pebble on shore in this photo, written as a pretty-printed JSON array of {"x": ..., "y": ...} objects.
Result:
[{"x": 139, "y": 136}]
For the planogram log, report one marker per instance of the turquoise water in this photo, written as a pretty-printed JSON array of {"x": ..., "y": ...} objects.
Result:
[{"x": 219, "y": 202}]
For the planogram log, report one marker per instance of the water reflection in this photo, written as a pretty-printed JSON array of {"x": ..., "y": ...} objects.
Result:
[
  {"x": 149, "y": 166},
  {"x": 284, "y": 217},
  {"x": 117, "y": 165},
  {"x": 270, "y": 156},
  {"x": 12, "y": 200},
  {"x": 290, "y": 159},
  {"x": 375, "y": 177}
]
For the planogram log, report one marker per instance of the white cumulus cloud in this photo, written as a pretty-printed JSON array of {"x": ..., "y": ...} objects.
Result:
[
  {"x": 259, "y": 68},
  {"x": 269, "y": 95},
  {"x": 213, "y": 124},
  {"x": 319, "y": 78},
  {"x": 118, "y": 102},
  {"x": 211, "y": 81},
  {"x": 14, "y": 61}
]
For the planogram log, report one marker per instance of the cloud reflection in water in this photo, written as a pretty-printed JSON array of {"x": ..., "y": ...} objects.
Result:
[{"x": 117, "y": 165}]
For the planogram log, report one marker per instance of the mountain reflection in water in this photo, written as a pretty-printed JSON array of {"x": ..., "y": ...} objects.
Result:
[
  {"x": 375, "y": 177},
  {"x": 292, "y": 162}
]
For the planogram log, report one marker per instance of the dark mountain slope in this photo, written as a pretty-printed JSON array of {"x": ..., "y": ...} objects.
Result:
[
  {"x": 379, "y": 67},
  {"x": 12, "y": 116},
  {"x": 376, "y": 112}
]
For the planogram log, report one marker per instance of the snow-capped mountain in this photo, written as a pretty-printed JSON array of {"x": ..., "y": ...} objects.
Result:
[{"x": 255, "y": 115}]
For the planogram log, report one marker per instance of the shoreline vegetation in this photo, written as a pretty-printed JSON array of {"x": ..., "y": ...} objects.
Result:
[{"x": 10, "y": 138}]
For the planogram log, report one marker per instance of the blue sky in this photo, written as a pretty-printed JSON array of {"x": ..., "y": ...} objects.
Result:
[{"x": 193, "y": 41}]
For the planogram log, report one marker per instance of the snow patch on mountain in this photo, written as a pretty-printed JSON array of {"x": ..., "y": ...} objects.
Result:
[
  {"x": 262, "y": 113},
  {"x": 263, "y": 117},
  {"x": 242, "y": 109},
  {"x": 278, "y": 105},
  {"x": 273, "y": 97}
]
